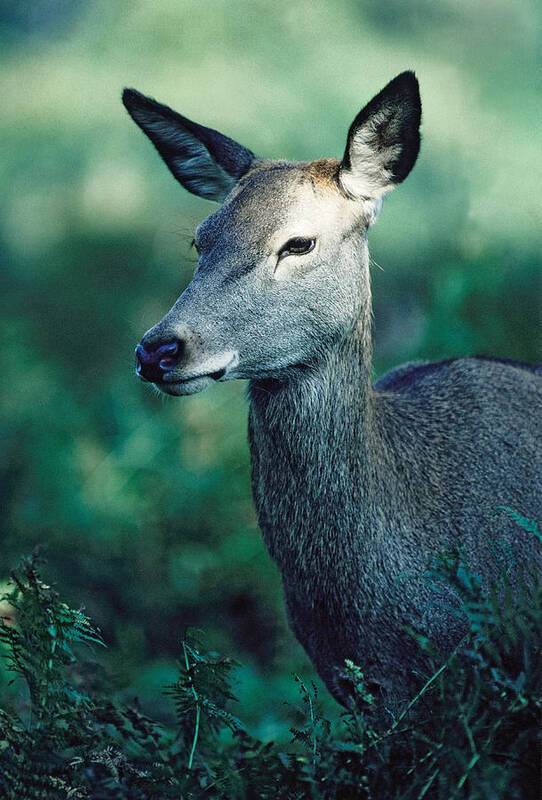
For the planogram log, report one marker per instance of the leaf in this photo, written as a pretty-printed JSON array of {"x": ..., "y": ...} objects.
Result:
[{"x": 527, "y": 524}]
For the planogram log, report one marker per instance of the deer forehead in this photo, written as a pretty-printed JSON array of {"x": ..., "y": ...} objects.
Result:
[{"x": 279, "y": 200}]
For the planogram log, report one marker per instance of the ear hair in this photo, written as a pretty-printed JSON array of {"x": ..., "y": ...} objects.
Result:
[
  {"x": 383, "y": 140},
  {"x": 206, "y": 162}
]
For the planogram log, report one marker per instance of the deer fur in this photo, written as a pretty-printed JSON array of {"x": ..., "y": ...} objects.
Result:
[{"x": 357, "y": 487}]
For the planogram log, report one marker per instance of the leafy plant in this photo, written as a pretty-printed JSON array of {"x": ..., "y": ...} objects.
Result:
[{"x": 472, "y": 731}]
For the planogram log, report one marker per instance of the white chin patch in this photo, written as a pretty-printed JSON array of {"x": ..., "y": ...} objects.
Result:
[
  {"x": 191, "y": 386},
  {"x": 212, "y": 371}
]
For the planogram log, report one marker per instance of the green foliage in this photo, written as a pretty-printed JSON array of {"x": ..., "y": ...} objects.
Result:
[
  {"x": 529, "y": 525},
  {"x": 472, "y": 731},
  {"x": 145, "y": 504},
  {"x": 39, "y": 646}
]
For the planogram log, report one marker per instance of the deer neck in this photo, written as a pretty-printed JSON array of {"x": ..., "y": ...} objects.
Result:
[{"x": 313, "y": 442}]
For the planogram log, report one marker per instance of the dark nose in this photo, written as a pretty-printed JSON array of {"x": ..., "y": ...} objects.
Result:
[{"x": 153, "y": 360}]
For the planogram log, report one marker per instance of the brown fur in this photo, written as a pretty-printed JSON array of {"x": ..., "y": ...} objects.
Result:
[{"x": 323, "y": 171}]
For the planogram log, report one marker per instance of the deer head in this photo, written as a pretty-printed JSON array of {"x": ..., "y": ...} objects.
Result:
[{"x": 282, "y": 272}]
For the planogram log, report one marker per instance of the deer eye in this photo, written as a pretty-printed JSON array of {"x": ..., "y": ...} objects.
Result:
[{"x": 297, "y": 247}]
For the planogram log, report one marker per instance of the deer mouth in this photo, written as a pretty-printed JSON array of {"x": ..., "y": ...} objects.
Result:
[{"x": 178, "y": 385}]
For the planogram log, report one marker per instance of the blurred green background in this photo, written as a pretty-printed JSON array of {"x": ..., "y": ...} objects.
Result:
[{"x": 144, "y": 504}]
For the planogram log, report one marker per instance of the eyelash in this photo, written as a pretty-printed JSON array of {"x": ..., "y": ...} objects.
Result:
[{"x": 304, "y": 246}]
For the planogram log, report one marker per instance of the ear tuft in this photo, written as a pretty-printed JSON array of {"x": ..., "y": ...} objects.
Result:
[
  {"x": 206, "y": 162},
  {"x": 384, "y": 140}
]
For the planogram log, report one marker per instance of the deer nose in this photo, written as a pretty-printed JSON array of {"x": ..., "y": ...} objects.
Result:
[{"x": 153, "y": 360}]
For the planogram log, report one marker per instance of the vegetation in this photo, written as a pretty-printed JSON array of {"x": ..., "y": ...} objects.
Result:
[
  {"x": 145, "y": 505},
  {"x": 473, "y": 730}
]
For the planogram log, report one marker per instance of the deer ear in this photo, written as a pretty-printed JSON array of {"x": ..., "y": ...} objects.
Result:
[
  {"x": 204, "y": 161},
  {"x": 383, "y": 141}
]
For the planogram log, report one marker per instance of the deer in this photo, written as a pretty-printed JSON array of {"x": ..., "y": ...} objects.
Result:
[{"x": 357, "y": 486}]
